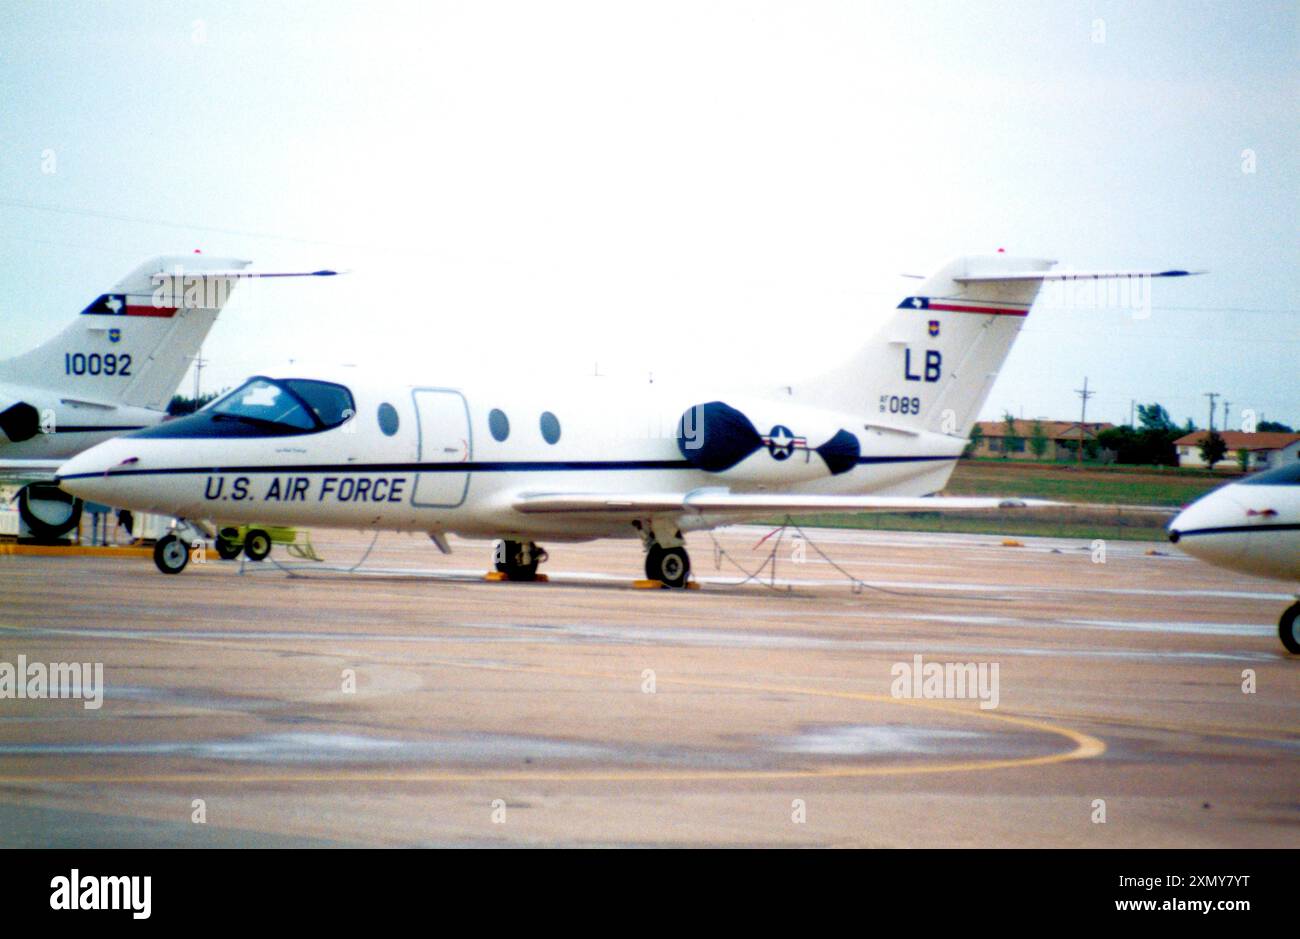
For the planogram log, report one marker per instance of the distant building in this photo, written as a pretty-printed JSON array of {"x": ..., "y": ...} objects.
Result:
[
  {"x": 1062, "y": 439},
  {"x": 1267, "y": 450}
]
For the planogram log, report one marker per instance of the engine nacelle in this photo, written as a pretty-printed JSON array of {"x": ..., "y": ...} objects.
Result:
[
  {"x": 19, "y": 421},
  {"x": 767, "y": 442}
]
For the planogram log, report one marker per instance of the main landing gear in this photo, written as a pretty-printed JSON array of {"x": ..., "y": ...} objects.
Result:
[
  {"x": 669, "y": 566},
  {"x": 518, "y": 560},
  {"x": 666, "y": 559},
  {"x": 1288, "y": 628}
]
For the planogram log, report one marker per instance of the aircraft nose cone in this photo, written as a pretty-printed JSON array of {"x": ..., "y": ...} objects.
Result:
[
  {"x": 87, "y": 474},
  {"x": 1207, "y": 528},
  {"x": 1179, "y": 524}
]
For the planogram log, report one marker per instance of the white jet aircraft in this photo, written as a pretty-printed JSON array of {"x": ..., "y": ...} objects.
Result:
[
  {"x": 533, "y": 460},
  {"x": 111, "y": 371},
  {"x": 1252, "y": 526}
]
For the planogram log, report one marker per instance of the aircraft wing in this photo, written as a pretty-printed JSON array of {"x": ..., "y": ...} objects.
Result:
[
  {"x": 28, "y": 471},
  {"x": 721, "y": 502}
]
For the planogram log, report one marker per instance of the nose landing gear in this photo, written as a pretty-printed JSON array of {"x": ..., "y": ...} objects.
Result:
[{"x": 171, "y": 554}]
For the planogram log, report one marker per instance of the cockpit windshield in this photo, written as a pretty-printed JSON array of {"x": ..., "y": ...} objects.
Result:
[
  {"x": 264, "y": 407},
  {"x": 1286, "y": 476},
  {"x": 292, "y": 404}
]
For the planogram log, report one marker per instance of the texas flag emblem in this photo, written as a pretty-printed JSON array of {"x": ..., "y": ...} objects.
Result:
[
  {"x": 118, "y": 304},
  {"x": 934, "y": 327}
]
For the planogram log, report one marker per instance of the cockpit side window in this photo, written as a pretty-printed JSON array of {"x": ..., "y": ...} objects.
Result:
[{"x": 332, "y": 404}]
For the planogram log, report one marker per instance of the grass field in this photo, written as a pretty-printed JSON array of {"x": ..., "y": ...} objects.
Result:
[
  {"x": 1102, "y": 495},
  {"x": 1046, "y": 523},
  {"x": 1097, "y": 485}
]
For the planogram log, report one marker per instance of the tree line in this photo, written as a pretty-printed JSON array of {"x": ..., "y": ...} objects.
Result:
[{"x": 1149, "y": 443}]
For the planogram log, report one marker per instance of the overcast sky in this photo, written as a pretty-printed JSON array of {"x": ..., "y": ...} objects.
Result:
[{"x": 538, "y": 187}]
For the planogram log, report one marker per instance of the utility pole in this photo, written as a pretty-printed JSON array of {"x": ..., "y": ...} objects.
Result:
[
  {"x": 199, "y": 362},
  {"x": 1225, "y": 413},
  {"x": 1132, "y": 408},
  {"x": 1084, "y": 394},
  {"x": 1211, "y": 395}
]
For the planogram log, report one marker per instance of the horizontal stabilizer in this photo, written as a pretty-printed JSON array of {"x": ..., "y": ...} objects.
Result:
[
  {"x": 243, "y": 275},
  {"x": 1024, "y": 276},
  {"x": 28, "y": 471}
]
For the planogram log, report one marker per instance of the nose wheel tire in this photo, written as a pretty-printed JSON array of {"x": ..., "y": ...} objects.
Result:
[
  {"x": 171, "y": 554},
  {"x": 257, "y": 545},
  {"x": 670, "y": 566},
  {"x": 1288, "y": 629}
]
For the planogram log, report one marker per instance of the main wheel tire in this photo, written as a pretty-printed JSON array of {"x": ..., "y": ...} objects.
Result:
[
  {"x": 669, "y": 566},
  {"x": 510, "y": 561},
  {"x": 227, "y": 550},
  {"x": 48, "y": 511},
  {"x": 1288, "y": 629},
  {"x": 171, "y": 554},
  {"x": 257, "y": 545}
]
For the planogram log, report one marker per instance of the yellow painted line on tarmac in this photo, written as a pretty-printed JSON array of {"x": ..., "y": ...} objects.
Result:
[
  {"x": 74, "y": 550},
  {"x": 1270, "y": 734},
  {"x": 1084, "y": 747}
]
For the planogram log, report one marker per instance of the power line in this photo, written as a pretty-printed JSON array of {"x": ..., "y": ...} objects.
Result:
[
  {"x": 1192, "y": 309},
  {"x": 161, "y": 223},
  {"x": 1229, "y": 309}
]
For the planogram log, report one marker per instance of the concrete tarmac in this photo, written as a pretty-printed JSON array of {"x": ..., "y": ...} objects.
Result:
[{"x": 1140, "y": 699}]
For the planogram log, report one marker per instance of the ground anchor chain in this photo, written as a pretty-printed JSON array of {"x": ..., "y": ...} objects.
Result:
[{"x": 720, "y": 554}]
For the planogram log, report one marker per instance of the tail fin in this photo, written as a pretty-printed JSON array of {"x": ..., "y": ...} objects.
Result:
[
  {"x": 933, "y": 363},
  {"x": 134, "y": 344}
]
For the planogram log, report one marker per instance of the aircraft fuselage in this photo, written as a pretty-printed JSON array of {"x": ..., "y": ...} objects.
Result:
[{"x": 442, "y": 458}]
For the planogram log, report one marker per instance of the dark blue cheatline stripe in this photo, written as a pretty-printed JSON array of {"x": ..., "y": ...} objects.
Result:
[
  {"x": 1230, "y": 529},
  {"x": 499, "y": 466},
  {"x": 98, "y": 428}
]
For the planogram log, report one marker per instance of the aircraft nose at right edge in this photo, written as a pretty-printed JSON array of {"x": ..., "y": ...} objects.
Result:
[
  {"x": 87, "y": 474},
  {"x": 1178, "y": 524},
  {"x": 1185, "y": 520}
]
